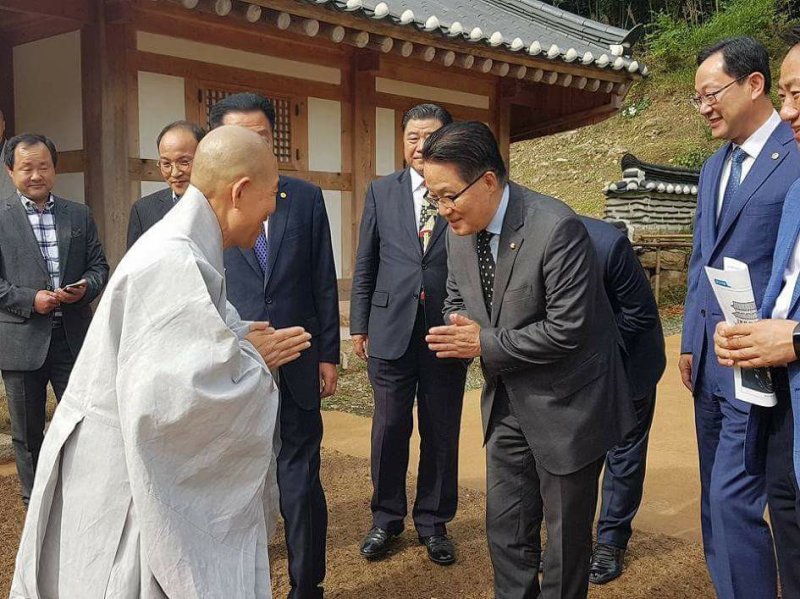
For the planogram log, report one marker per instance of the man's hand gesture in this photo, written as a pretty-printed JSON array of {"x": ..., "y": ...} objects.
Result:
[
  {"x": 461, "y": 339},
  {"x": 278, "y": 346}
]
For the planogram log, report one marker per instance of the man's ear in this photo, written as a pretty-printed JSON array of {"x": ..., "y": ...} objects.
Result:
[
  {"x": 490, "y": 178},
  {"x": 237, "y": 191}
]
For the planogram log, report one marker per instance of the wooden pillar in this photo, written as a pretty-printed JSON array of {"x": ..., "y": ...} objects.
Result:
[
  {"x": 506, "y": 89},
  {"x": 110, "y": 117},
  {"x": 7, "y": 88},
  {"x": 365, "y": 66}
]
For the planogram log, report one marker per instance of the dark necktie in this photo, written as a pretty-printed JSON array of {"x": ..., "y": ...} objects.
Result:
[
  {"x": 262, "y": 250},
  {"x": 427, "y": 220},
  {"x": 734, "y": 182},
  {"x": 486, "y": 267}
]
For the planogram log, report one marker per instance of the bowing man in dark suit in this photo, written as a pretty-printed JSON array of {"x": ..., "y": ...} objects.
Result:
[
  {"x": 398, "y": 294},
  {"x": 741, "y": 194},
  {"x": 176, "y": 143},
  {"x": 525, "y": 294},
  {"x": 51, "y": 268},
  {"x": 636, "y": 314},
  {"x": 289, "y": 280}
]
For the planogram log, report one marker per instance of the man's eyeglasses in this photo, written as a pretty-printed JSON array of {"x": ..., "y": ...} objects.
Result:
[
  {"x": 449, "y": 201},
  {"x": 182, "y": 165},
  {"x": 710, "y": 98}
]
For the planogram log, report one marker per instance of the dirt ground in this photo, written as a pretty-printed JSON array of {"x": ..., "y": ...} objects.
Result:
[{"x": 656, "y": 565}]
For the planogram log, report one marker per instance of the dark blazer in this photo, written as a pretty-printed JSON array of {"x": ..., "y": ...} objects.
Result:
[
  {"x": 748, "y": 234},
  {"x": 551, "y": 338},
  {"x": 633, "y": 304},
  {"x": 391, "y": 269},
  {"x": 24, "y": 334},
  {"x": 147, "y": 211},
  {"x": 299, "y": 288}
]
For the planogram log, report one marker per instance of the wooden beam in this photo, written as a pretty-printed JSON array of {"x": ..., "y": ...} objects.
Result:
[
  {"x": 44, "y": 28},
  {"x": 403, "y": 103},
  {"x": 82, "y": 11},
  {"x": 182, "y": 67},
  {"x": 349, "y": 218},
  {"x": 73, "y": 161}
]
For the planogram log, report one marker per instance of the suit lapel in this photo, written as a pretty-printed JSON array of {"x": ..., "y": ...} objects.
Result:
[
  {"x": 438, "y": 228},
  {"x": 63, "y": 218},
  {"x": 276, "y": 227},
  {"x": 763, "y": 167},
  {"x": 711, "y": 191},
  {"x": 511, "y": 235},
  {"x": 165, "y": 202},
  {"x": 250, "y": 257},
  {"x": 22, "y": 227},
  {"x": 408, "y": 218}
]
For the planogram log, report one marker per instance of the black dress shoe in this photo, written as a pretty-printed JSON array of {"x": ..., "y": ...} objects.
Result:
[
  {"x": 376, "y": 543},
  {"x": 440, "y": 549},
  {"x": 606, "y": 563}
]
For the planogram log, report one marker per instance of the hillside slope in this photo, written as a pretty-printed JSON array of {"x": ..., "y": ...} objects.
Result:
[{"x": 575, "y": 166}]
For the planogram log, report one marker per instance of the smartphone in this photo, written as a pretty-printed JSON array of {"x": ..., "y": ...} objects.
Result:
[{"x": 75, "y": 285}]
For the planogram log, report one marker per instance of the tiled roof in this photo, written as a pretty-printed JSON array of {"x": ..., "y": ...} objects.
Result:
[
  {"x": 519, "y": 26},
  {"x": 641, "y": 177}
]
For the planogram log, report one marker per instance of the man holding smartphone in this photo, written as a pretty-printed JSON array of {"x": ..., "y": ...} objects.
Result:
[{"x": 52, "y": 266}]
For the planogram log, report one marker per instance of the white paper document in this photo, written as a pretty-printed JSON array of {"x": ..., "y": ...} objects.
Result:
[{"x": 734, "y": 294}]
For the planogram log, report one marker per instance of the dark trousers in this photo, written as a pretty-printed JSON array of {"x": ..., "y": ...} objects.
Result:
[
  {"x": 519, "y": 490},
  {"x": 736, "y": 538},
  {"x": 439, "y": 388},
  {"x": 303, "y": 506},
  {"x": 623, "y": 478},
  {"x": 26, "y": 393},
  {"x": 782, "y": 488}
]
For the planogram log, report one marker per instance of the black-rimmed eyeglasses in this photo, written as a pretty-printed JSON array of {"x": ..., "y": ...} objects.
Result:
[
  {"x": 449, "y": 201},
  {"x": 710, "y": 98}
]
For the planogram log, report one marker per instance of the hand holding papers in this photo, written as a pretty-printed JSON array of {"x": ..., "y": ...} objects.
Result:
[{"x": 734, "y": 294}]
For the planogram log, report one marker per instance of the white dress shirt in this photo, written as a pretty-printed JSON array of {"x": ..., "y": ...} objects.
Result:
[
  {"x": 752, "y": 147},
  {"x": 790, "y": 275},
  {"x": 496, "y": 225},
  {"x": 418, "y": 190}
]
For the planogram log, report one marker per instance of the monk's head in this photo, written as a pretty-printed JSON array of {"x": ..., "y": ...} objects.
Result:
[{"x": 238, "y": 173}]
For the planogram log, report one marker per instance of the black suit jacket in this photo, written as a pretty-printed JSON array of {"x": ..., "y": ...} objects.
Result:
[
  {"x": 633, "y": 303},
  {"x": 551, "y": 338},
  {"x": 24, "y": 334},
  {"x": 391, "y": 269},
  {"x": 299, "y": 288},
  {"x": 148, "y": 211}
]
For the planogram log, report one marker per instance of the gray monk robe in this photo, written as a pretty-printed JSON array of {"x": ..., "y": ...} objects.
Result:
[{"x": 153, "y": 478}]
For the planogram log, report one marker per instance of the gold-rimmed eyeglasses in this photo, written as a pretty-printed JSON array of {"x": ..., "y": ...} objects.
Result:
[
  {"x": 711, "y": 98},
  {"x": 181, "y": 165},
  {"x": 449, "y": 201}
]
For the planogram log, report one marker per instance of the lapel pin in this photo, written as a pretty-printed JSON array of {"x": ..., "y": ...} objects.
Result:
[
  {"x": 513, "y": 245},
  {"x": 283, "y": 195},
  {"x": 775, "y": 156}
]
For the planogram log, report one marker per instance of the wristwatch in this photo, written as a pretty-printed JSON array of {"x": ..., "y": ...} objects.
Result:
[{"x": 796, "y": 341}]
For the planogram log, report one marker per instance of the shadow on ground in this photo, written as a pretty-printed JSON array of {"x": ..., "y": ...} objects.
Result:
[{"x": 657, "y": 565}]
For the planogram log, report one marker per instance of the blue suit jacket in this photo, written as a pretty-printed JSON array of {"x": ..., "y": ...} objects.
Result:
[
  {"x": 634, "y": 306},
  {"x": 299, "y": 287},
  {"x": 747, "y": 233},
  {"x": 787, "y": 235}
]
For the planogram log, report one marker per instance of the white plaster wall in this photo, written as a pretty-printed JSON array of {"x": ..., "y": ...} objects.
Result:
[
  {"x": 149, "y": 187},
  {"x": 384, "y": 141},
  {"x": 434, "y": 94},
  {"x": 47, "y": 89},
  {"x": 182, "y": 48},
  {"x": 161, "y": 101},
  {"x": 70, "y": 186},
  {"x": 324, "y": 135},
  {"x": 333, "y": 205}
]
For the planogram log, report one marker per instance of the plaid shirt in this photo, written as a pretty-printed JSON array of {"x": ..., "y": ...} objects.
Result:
[{"x": 44, "y": 228}]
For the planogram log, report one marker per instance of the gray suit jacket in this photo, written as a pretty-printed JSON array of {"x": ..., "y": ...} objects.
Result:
[
  {"x": 24, "y": 334},
  {"x": 551, "y": 339},
  {"x": 148, "y": 211}
]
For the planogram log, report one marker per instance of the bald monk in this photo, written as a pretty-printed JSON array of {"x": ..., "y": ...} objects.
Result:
[{"x": 152, "y": 481}]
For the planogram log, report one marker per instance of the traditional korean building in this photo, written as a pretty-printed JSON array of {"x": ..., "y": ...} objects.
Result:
[{"x": 103, "y": 77}]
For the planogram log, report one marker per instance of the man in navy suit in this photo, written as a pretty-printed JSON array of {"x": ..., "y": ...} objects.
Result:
[
  {"x": 742, "y": 189},
  {"x": 176, "y": 144},
  {"x": 775, "y": 342},
  {"x": 398, "y": 294},
  {"x": 289, "y": 279},
  {"x": 636, "y": 313}
]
